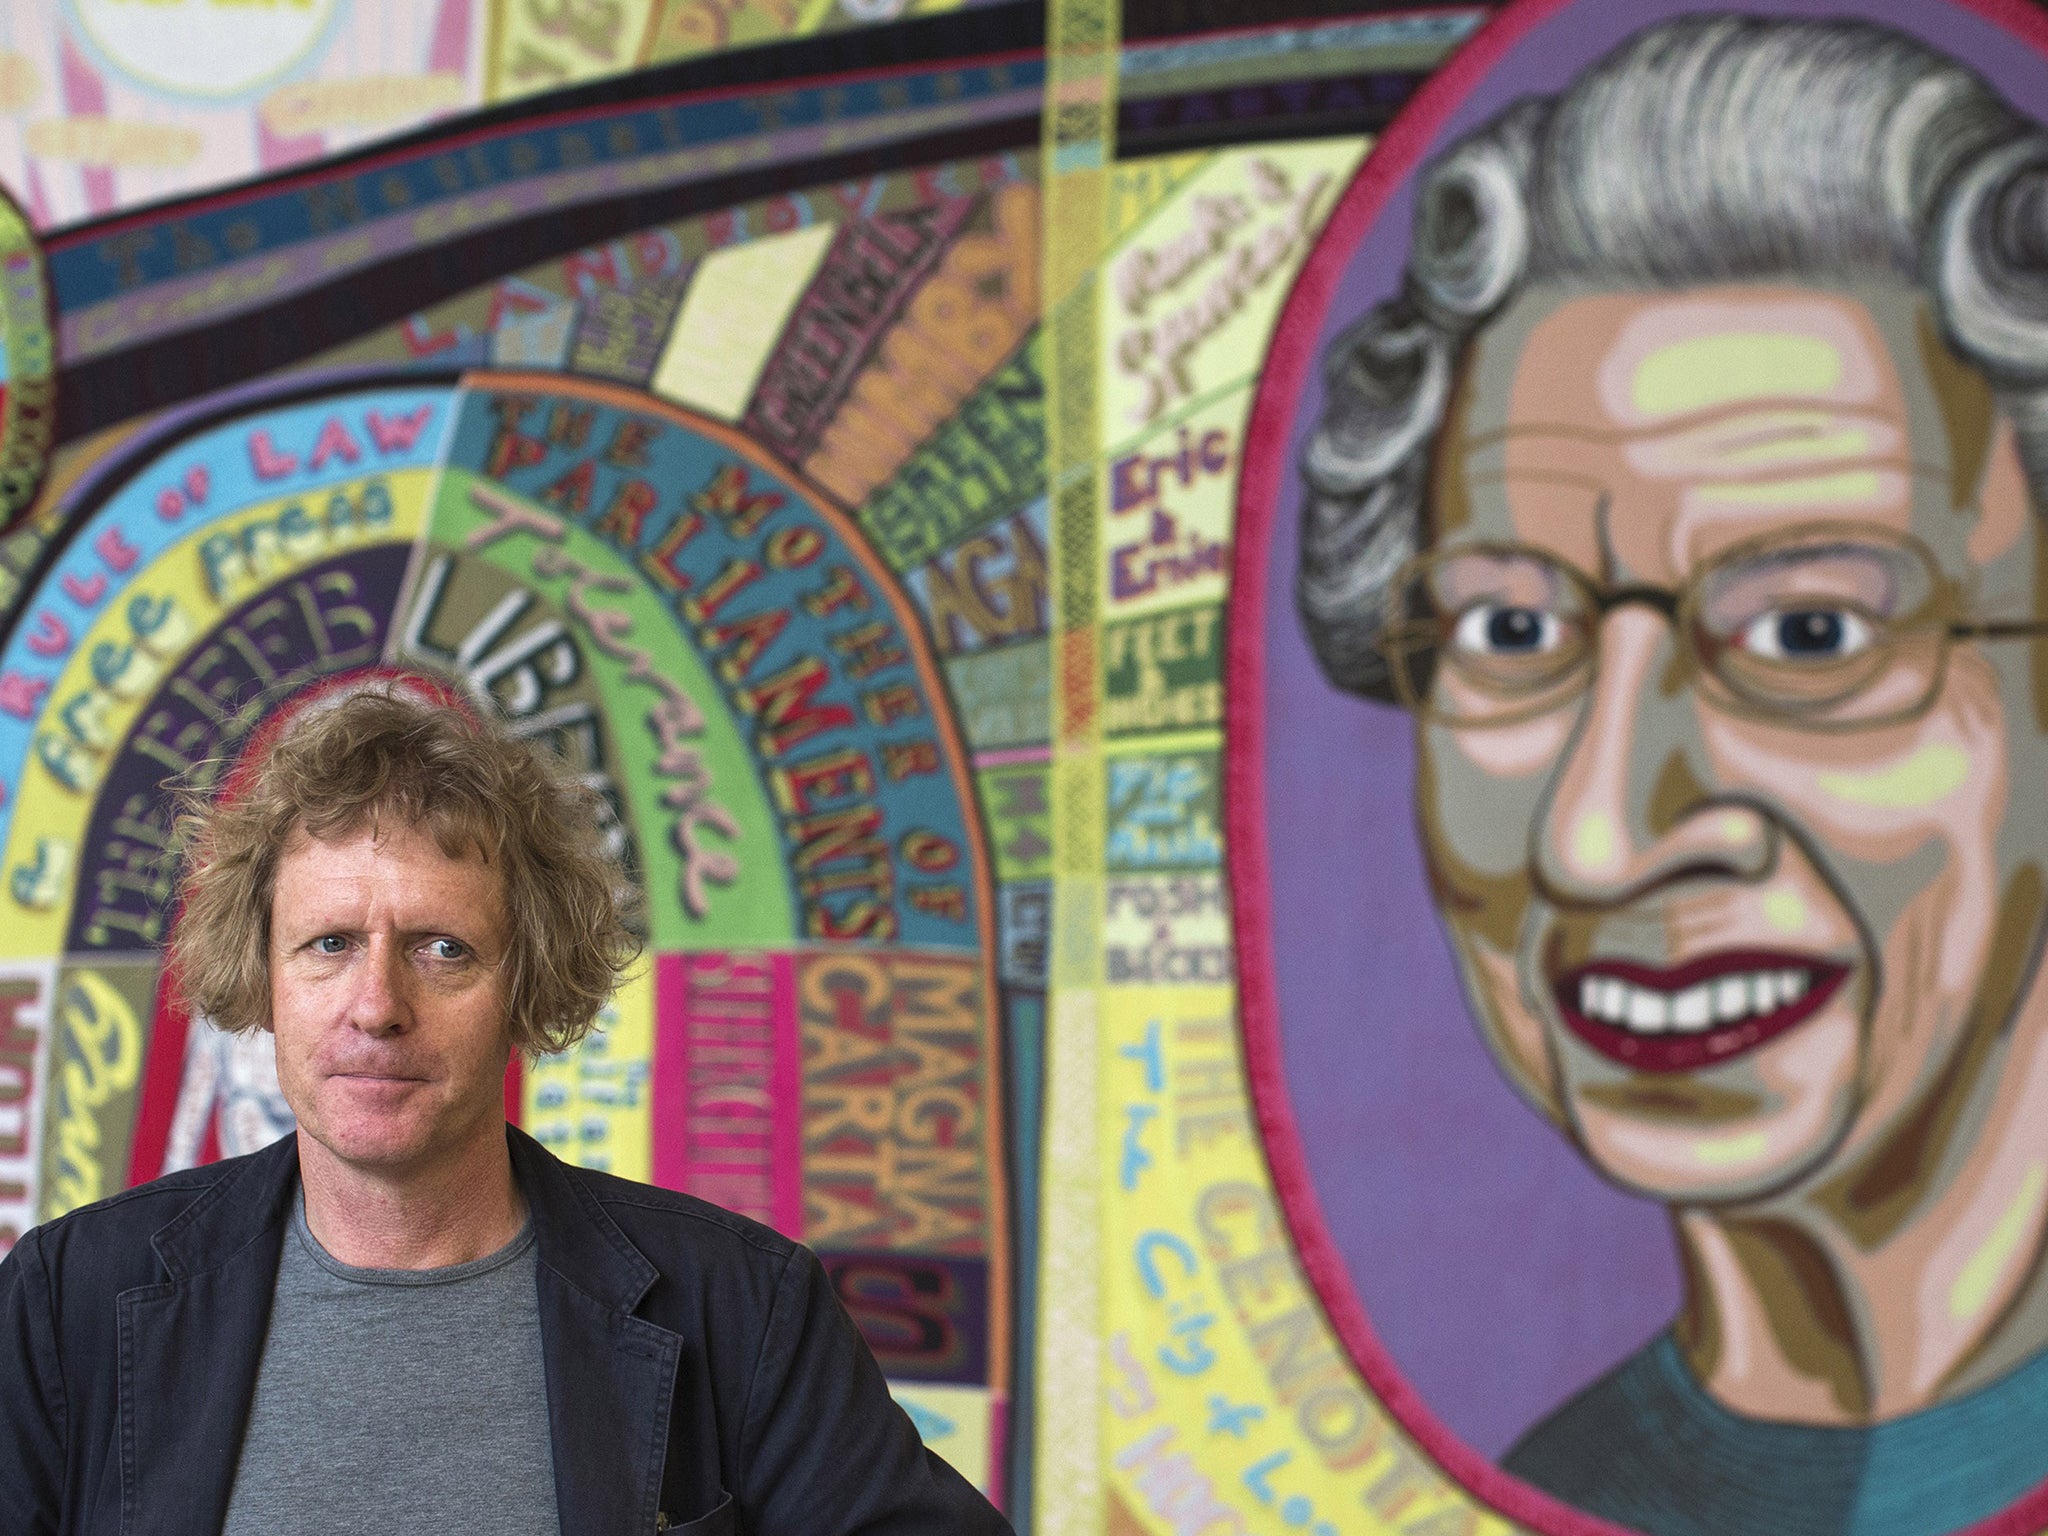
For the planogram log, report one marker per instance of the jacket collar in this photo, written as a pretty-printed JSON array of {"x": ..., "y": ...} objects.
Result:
[
  {"x": 252, "y": 1202},
  {"x": 249, "y": 1203},
  {"x": 574, "y": 1236}
]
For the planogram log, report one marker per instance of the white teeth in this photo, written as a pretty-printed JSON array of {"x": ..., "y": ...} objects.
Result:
[
  {"x": 1694, "y": 1008},
  {"x": 1648, "y": 1011},
  {"x": 1726, "y": 1000},
  {"x": 1731, "y": 999}
]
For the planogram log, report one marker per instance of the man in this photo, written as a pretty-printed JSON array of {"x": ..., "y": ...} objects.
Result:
[
  {"x": 1690, "y": 495},
  {"x": 408, "y": 1317}
]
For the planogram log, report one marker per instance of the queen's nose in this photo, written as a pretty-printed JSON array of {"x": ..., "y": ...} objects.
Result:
[{"x": 1635, "y": 804}]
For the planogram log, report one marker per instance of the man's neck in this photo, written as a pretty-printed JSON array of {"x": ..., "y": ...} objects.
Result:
[
  {"x": 1837, "y": 1305},
  {"x": 456, "y": 1209}
]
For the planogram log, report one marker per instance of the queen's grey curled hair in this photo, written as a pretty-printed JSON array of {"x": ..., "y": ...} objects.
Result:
[{"x": 1708, "y": 149}]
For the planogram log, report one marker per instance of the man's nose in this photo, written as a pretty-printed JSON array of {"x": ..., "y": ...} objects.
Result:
[
  {"x": 380, "y": 1003},
  {"x": 1634, "y": 805}
]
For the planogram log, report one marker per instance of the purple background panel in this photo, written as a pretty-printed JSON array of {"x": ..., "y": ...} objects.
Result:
[{"x": 1497, "y": 1270}]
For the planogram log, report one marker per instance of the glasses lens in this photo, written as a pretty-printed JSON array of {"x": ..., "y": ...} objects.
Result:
[
  {"x": 1825, "y": 627},
  {"x": 1490, "y": 634}
]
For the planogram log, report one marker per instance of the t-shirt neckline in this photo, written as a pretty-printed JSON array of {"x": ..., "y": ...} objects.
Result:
[{"x": 445, "y": 1275}]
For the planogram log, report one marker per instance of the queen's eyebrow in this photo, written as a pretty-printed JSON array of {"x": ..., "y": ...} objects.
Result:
[
  {"x": 1912, "y": 469},
  {"x": 1537, "y": 477},
  {"x": 1683, "y": 423}
]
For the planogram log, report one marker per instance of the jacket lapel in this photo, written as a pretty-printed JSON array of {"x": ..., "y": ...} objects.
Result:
[
  {"x": 611, "y": 1376},
  {"x": 190, "y": 1348}
]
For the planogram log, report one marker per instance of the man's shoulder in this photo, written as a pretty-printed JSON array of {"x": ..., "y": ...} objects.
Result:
[
  {"x": 666, "y": 1222},
  {"x": 147, "y": 1206},
  {"x": 110, "y": 1240}
]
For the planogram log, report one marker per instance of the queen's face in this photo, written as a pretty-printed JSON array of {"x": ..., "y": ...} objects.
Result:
[{"x": 1730, "y": 953}]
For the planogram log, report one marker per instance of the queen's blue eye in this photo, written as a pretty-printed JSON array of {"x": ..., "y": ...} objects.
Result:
[
  {"x": 1500, "y": 629},
  {"x": 1806, "y": 634}
]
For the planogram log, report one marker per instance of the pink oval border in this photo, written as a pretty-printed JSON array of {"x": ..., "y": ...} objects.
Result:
[{"x": 1268, "y": 437}]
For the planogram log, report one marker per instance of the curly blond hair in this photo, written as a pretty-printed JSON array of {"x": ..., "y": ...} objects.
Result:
[{"x": 346, "y": 761}]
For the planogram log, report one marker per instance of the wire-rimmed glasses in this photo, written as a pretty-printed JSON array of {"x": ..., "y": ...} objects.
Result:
[{"x": 1824, "y": 626}]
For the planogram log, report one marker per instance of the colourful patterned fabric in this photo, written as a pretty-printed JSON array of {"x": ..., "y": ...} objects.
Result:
[{"x": 1081, "y": 544}]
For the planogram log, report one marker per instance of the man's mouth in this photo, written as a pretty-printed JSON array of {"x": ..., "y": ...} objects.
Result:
[{"x": 1694, "y": 1015}]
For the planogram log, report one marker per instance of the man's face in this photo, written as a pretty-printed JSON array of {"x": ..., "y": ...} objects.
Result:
[
  {"x": 387, "y": 996},
  {"x": 1732, "y": 956}
]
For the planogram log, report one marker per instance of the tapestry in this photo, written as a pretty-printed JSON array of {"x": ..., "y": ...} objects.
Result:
[
  {"x": 1323, "y": 709},
  {"x": 105, "y": 104}
]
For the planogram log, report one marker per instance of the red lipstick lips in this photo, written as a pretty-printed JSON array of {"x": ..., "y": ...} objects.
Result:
[{"x": 1699, "y": 1014}]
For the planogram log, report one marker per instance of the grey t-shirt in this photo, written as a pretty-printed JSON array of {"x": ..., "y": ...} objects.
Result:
[{"x": 393, "y": 1401}]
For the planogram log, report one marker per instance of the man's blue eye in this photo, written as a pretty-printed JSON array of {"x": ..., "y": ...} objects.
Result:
[
  {"x": 330, "y": 944},
  {"x": 448, "y": 949}
]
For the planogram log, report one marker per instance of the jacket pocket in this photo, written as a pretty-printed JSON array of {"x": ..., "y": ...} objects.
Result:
[{"x": 722, "y": 1521}]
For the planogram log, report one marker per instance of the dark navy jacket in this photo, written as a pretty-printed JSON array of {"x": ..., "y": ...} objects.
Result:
[{"x": 702, "y": 1377}]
